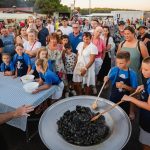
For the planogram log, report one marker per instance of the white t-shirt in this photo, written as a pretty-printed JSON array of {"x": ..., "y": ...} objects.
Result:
[
  {"x": 66, "y": 30},
  {"x": 29, "y": 47},
  {"x": 50, "y": 28}
]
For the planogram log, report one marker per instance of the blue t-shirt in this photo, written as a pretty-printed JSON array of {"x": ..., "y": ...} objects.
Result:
[
  {"x": 75, "y": 40},
  {"x": 42, "y": 36},
  {"x": 4, "y": 67},
  {"x": 148, "y": 86},
  {"x": 49, "y": 66},
  {"x": 50, "y": 77},
  {"x": 123, "y": 74},
  {"x": 9, "y": 46},
  {"x": 24, "y": 56}
]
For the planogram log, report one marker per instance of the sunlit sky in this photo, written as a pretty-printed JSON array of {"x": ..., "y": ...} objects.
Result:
[{"x": 130, "y": 4}]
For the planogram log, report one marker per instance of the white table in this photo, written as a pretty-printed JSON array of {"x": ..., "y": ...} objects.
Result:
[{"x": 12, "y": 96}]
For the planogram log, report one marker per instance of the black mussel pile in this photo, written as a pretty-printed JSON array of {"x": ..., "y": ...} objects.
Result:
[{"x": 77, "y": 128}]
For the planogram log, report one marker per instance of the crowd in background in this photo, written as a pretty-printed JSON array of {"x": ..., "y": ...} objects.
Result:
[{"x": 76, "y": 54}]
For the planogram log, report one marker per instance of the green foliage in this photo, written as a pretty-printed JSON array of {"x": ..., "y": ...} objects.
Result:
[
  {"x": 85, "y": 11},
  {"x": 47, "y": 6},
  {"x": 64, "y": 8}
]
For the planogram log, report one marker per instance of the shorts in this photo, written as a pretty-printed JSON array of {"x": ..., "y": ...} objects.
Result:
[
  {"x": 59, "y": 92},
  {"x": 98, "y": 64},
  {"x": 69, "y": 77},
  {"x": 144, "y": 137}
]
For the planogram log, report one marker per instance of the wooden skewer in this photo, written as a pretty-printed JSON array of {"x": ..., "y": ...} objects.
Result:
[{"x": 97, "y": 116}]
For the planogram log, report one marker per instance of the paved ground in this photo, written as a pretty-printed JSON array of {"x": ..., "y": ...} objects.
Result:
[{"x": 16, "y": 139}]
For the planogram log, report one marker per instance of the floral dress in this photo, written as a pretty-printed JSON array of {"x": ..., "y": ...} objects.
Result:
[{"x": 57, "y": 63}]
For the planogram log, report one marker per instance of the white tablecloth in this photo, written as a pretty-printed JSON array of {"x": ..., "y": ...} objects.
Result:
[{"x": 12, "y": 96}]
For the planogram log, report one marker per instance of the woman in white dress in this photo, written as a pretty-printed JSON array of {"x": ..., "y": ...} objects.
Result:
[{"x": 84, "y": 72}]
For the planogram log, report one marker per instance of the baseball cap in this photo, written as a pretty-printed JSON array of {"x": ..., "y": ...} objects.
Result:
[
  {"x": 142, "y": 26},
  {"x": 121, "y": 23}
]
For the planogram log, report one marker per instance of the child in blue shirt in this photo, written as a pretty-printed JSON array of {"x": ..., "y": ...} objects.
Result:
[
  {"x": 124, "y": 81},
  {"x": 48, "y": 78},
  {"x": 42, "y": 53},
  {"x": 21, "y": 61},
  {"x": 7, "y": 67},
  {"x": 144, "y": 104}
]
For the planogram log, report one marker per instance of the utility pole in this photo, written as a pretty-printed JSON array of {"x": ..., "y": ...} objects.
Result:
[
  {"x": 89, "y": 7},
  {"x": 74, "y": 4}
]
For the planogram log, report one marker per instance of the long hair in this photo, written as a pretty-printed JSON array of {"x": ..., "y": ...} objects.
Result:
[
  {"x": 40, "y": 50},
  {"x": 43, "y": 63},
  {"x": 106, "y": 27}
]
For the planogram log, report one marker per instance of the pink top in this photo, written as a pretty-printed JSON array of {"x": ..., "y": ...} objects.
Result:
[{"x": 100, "y": 44}]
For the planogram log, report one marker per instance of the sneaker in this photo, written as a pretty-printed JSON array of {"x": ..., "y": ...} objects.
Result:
[
  {"x": 67, "y": 94},
  {"x": 94, "y": 90},
  {"x": 73, "y": 92}
]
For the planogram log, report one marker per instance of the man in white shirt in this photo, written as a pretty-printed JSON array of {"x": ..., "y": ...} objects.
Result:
[{"x": 65, "y": 28}]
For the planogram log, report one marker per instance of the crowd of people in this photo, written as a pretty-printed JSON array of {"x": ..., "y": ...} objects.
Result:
[{"x": 80, "y": 57}]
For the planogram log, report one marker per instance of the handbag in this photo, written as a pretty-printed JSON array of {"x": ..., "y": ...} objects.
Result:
[{"x": 79, "y": 66}]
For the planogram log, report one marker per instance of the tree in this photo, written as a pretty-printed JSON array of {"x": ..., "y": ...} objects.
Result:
[{"x": 47, "y": 6}]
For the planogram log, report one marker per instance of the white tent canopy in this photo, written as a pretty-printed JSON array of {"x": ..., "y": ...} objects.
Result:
[{"x": 14, "y": 16}]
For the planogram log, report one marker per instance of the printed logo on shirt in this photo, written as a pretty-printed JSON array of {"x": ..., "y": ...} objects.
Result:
[{"x": 122, "y": 76}]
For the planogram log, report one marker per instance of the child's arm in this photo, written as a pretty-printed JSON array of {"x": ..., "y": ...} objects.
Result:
[
  {"x": 41, "y": 88},
  {"x": 141, "y": 104},
  {"x": 30, "y": 72},
  {"x": 8, "y": 73},
  {"x": 40, "y": 81},
  {"x": 121, "y": 85},
  {"x": 15, "y": 76},
  {"x": 29, "y": 69}
]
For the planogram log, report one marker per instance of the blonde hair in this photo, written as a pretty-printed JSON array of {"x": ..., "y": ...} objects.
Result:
[
  {"x": 33, "y": 31},
  {"x": 30, "y": 18},
  {"x": 146, "y": 60},
  {"x": 41, "y": 50},
  {"x": 43, "y": 63}
]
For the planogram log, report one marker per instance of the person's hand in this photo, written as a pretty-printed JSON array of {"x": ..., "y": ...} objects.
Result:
[
  {"x": 35, "y": 91},
  {"x": 23, "y": 111},
  {"x": 83, "y": 71},
  {"x": 127, "y": 98},
  {"x": 106, "y": 78},
  {"x": 132, "y": 115},
  {"x": 119, "y": 85},
  {"x": 7, "y": 73},
  {"x": 146, "y": 40},
  {"x": 140, "y": 88},
  {"x": 15, "y": 76}
]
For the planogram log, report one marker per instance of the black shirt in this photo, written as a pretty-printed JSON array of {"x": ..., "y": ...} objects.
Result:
[{"x": 42, "y": 36}]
